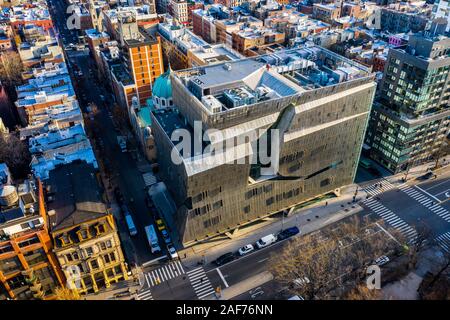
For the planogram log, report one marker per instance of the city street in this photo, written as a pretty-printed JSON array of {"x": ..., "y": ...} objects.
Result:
[
  {"x": 398, "y": 209},
  {"x": 411, "y": 208},
  {"x": 121, "y": 167},
  {"x": 408, "y": 207}
]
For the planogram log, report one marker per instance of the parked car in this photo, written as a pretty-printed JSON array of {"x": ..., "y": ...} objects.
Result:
[
  {"x": 160, "y": 224},
  {"x": 166, "y": 236},
  {"x": 289, "y": 232},
  {"x": 381, "y": 261},
  {"x": 225, "y": 258},
  {"x": 266, "y": 241},
  {"x": 172, "y": 252},
  {"x": 426, "y": 176},
  {"x": 246, "y": 249},
  {"x": 300, "y": 282}
]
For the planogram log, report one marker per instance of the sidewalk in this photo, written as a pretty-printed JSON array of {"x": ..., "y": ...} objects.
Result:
[
  {"x": 407, "y": 287},
  {"x": 420, "y": 170},
  {"x": 308, "y": 219}
]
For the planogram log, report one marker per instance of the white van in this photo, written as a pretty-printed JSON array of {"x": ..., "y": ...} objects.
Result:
[
  {"x": 152, "y": 239},
  {"x": 266, "y": 241},
  {"x": 130, "y": 223}
]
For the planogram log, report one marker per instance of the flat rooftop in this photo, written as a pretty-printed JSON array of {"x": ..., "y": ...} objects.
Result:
[
  {"x": 216, "y": 53},
  {"x": 171, "y": 120},
  {"x": 280, "y": 74}
]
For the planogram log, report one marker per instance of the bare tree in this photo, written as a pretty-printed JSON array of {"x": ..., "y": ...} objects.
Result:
[
  {"x": 415, "y": 247},
  {"x": 307, "y": 265},
  {"x": 361, "y": 292},
  {"x": 323, "y": 264},
  {"x": 120, "y": 116},
  {"x": 11, "y": 68},
  {"x": 437, "y": 286},
  {"x": 15, "y": 154}
]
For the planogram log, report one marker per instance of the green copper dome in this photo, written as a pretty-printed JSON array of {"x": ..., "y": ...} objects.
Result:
[{"x": 162, "y": 88}]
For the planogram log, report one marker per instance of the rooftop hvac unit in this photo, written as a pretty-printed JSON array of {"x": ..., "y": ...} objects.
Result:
[{"x": 212, "y": 103}]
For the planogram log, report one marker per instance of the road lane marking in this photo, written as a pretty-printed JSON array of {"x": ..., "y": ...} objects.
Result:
[
  {"x": 262, "y": 260},
  {"x": 437, "y": 185},
  {"x": 179, "y": 267},
  {"x": 428, "y": 193},
  {"x": 222, "y": 277},
  {"x": 160, "y": 274},
  {"x": 445, "y": 192},
  {"x": 146, "y": 278},
  {"x": 170, "y": 272},
  {"x": 388, "y": 233}
]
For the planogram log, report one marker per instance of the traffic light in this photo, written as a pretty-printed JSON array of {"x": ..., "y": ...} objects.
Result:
[{"x": 33, "y": 282}]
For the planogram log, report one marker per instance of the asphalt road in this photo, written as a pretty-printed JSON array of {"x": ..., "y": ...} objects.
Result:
[
  {"x": 411, "y": 211},
  {"x": 225, "y": 276},
  {"x": 414, "y": 204},
  {"x": 182, "y": 284},
  {"x": 123, "y": 168}
]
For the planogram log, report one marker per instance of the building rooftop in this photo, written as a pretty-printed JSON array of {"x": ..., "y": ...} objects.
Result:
[
  {"x": 25, "y": 208},
  {"x": 95, "y": 34},
  {"x": 74, "y": 195},
  {"x": 48, "y": 119},
  {"x": 121, "y": 74},
  {"x": 42, "y": 163},
  {"x": 140, "y": 13},
  {"x": 56, "y": 139},
  {"x": 280, "y": 74},
  {"x": 217, "y": 53},
  {"x": 26, "y": 12},
  {"x": 186, "y": 41}
]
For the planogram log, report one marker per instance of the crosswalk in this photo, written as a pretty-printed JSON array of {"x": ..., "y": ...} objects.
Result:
[
  {"x": 200, "y": 282},
  {"x": 444, "y": 241},
  {"x": 145, "y": 295},
  {"x": 426, "y": 201},
  {"x": 391, "y": 218},
  {"x": 377, "y": 188},
  {"x": 164, "y": 273}
]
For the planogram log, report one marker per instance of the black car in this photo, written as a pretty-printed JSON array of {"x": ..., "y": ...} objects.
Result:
[
  {"x": 288, "y": 233},
  {"x": 225, "y": 258},
  {"x": 426, "y": 176}
]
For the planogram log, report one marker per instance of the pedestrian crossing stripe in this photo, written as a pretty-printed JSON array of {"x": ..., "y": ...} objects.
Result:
[
  {"x": 200, "y": 283},
  {"x": 444, "y": 241},
  {"x": 164, "y": 273},
  {"x": 145, "y": 295},
  {"x": 392, "y": 219},
  {"x": 375, "y": 189},
  {"x": 427, "y": 202}
]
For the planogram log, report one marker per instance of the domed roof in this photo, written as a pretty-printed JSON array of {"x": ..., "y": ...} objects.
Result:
[{"x": 162, "y": 88}]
